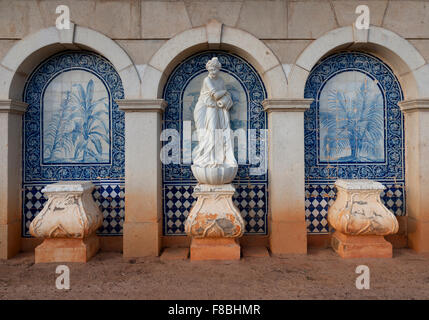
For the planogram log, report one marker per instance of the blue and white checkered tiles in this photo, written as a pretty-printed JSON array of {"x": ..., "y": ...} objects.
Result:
[
  {"x": 318, "y": 198},
  {"x": 109, "y": 197},
  {"x": 251, "y": 200}
]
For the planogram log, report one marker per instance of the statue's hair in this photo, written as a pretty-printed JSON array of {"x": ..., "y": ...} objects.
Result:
[{"x": 213, "y": 63}]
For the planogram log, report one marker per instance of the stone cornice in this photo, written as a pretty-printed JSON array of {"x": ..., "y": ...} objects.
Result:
[
  {"x": 286, "y": 105},
  {"x": 142, "y": 105},
  {"x": 414, "y": 105},
  {"x": 13, "y": 106}
]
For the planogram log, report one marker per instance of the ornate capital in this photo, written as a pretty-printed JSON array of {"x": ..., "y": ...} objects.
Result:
[
  {"x": 286, "y": 105},
  {"x": 12, "y": 106},
  {"x": 414, "y": 105},
  {"x": 142, "y": 105}
]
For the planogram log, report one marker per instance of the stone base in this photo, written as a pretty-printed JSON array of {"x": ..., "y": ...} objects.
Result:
[
  {"x": 67, "y": 249},
  {"x": 214, "y": 215},
  {"x": 215, "y": 249},
  {"x": 362, "y": 246}
]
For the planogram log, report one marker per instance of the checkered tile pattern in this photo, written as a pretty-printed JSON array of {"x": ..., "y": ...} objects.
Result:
[
  {"x": 111, "y": 200},
  {"x": 393, "y": 197},
  {"x": 251, "y": 200},
  {"x": 33, "y": 204},
  {"x": 109, "y": 197},
  {"x": 318, "y": 198}
]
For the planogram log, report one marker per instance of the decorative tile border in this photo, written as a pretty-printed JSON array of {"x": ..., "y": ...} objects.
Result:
[
  {"x": 34, "y": 170},
  {"x": 393, "y": 167}
]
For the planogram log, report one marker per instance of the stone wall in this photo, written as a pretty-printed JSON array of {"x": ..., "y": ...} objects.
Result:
[{"x": 141, "y": 27}]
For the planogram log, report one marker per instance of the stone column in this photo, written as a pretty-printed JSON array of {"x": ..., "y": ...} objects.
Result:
[
  {"x": 416, "y": 114},
  {"x": 143, "y": 207},
  {"x": 10, "y": 176},
  {"x": 288, "y": 231}
]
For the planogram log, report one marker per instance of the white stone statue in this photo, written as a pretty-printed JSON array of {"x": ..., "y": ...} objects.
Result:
[
  {"x": 214, "y": 222},
  {"x": 214, "y": 161}
]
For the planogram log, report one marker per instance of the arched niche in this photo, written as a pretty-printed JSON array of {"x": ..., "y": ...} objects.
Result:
[{"x": 407, "y": 63}]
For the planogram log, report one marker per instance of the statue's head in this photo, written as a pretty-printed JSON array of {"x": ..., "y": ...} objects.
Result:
[{"x": 213, "y": 67}]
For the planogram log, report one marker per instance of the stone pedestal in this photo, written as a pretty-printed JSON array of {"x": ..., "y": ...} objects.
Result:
[
  {"x": 215, "y": 249},
  {"x": 67, "y": 249},
  {"x": 214, "y": 224},
  {"x": 68, "y": 223},
  {"x": 369, "y": 246},
  {"x": 361, "y": 220}
]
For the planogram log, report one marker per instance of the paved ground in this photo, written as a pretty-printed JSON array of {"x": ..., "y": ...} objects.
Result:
[{"x": 319, "y": 275}]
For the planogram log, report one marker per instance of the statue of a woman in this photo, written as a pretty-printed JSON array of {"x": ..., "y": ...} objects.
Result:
[
  {"x": 214, "y": 215},
  {"x": 211, "y": 116}
]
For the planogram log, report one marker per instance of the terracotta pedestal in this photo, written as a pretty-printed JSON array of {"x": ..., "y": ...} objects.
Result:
[
  {"x": 214, "y": 224},
  {"x": 67, "y": 250},
  {"x": 68, "y": 223},
  {"x": 361, "y": 220},
  {"x": 364, "y": 246},
  {"x": 215, "y": 249}
]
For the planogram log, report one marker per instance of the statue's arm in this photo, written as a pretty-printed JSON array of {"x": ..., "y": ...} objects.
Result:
[
  {"x": 219, "y": 94},
  {"x": 216, "y": 94}
]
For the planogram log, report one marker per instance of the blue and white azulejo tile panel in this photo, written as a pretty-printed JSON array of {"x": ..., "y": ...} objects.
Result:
[
  {"x": 73, "y": 130},
  {"x": 247, "y": 90},
  {"x": 353, "y": 130}
]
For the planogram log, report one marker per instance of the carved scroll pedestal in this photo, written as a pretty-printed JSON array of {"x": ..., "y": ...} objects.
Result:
[
  {"x": 361, "y": 220},
  {"x": 214, "y": 224},
  {"x": 68, "y": 223}
]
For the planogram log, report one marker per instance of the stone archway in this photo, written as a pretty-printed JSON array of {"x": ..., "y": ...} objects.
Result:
[
  {"x": 213, "y": 35},
  {"x": 413, "y": 73},
  {"x": 143, "y": 223},
  {"x": 403, "y": 58},
  {"x": 30, "y": 51},
  {"x": 15, "y": 67}
]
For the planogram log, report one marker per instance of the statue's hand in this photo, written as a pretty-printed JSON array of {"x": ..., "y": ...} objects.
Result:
[
  {"x": 225, "y": 102},
  {"x": 219, "y": 94}
]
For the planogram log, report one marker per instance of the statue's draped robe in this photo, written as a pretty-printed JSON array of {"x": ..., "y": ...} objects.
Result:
[{"x": 215, "y": 145}]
